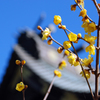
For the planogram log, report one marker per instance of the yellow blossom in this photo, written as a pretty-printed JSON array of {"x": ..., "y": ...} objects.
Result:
[
  {"x": 90, "y": 49},
  {"x": 89, "y": 27},
  {"x": 71, "y": 59},
  {"x": 86, "y": 62},
  {"x": 85, "y": 24},
  {"x": 66, "y": 44},
  {"x": 90, "y": 39},
  {"x": 46, "y": 34},
  {"x": 57, "y": 73},
  {"x": 92, "y": 27},
  {"x": 62, "y": 64},
  {"x": 57, "y": 19},
  {"x": 87, "y": 73},
  {"x": 72, "y": 37},
  {"x": 76, "y": 63},
  {"x": 66, "y": 52},
  {"x": 20, "y": 86},
  {"x": 73, "y": 7},
  {"x": 83, "y": 13}
]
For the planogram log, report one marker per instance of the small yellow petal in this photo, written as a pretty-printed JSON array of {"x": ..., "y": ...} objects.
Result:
[
  {"x": 62, "y": 64},
  {"x": 57, "y": 73}
]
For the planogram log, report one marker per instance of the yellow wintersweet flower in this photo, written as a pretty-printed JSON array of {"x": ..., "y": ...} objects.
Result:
[
  {"x": 57, "y": 19},
  {"x": 71, "y": 59},
  {"x": 92, "y": 27},
  {"x": 20, "y": 86},
  {"x": 66, "y": 44},
  {"x": 89, "y": 27},
  {"x": 83, "y": 13},
  {"x": 72, "y": 37},
  {"x": 73, "y": 7},
  {"x": 85, "y": 24},
  {"x": 66, "y": 52},
  {"x": 57, "y": 73},
  {"x": 86, "y": 62},
  {"x": 62, "y": 64},
  {"x": 90, "y": 39},
  {"x": 90, "y": 49},
  {"x": 87, "y": 73},
  {"x": 46, "y": 34},
  {"x": 76, "y": 63}
]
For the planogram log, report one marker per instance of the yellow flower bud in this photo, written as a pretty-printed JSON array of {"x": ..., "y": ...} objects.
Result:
[
  {"x": 79, "y": 35},
  {"x": 23, "y": 62},
  {"x": 18, "y": 62},
  {"x": 63, "y": 27},
  {"x": 60, "y": 26},
  {"x": 60, "y": 50},
  {"x": 66, "y": 44},
  {"x": 49, "y": 41},
  {"x": 57, "y": 19},
  {"x": 39, "y": 28}
]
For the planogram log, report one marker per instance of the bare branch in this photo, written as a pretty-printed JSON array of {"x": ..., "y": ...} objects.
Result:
[{"x": 96, "y": 5}]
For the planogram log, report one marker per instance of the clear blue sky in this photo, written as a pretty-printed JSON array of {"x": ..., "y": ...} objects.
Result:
[{"x": 19, "y": 14}]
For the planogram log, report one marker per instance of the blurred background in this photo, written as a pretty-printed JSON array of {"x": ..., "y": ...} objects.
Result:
[{"x": 19, "y": 21}]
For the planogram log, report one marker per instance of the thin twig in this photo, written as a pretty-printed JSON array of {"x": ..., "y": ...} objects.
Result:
[
  {"x": 96, "y": 5},
  {"x": 21, "y": 73},
  {"x": 22, "y": 81},
  {"x": 59, "y": 43},
  {"x": 49, "y": 89}
]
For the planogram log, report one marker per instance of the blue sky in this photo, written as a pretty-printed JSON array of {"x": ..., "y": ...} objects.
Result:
[{"x": 19, "y": 14}]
